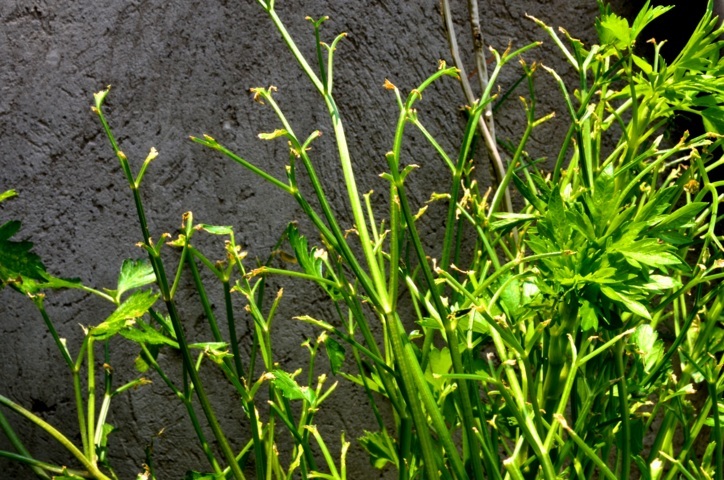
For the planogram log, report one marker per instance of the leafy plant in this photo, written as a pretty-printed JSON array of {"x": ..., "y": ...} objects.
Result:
[{"x": 568, "y": 332}]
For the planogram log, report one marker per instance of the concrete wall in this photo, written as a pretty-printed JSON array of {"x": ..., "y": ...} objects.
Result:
[{"x": 184, "y": 67}]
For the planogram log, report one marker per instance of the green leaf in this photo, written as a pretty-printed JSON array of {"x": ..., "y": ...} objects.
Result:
[
  {"x": 647, "y": 251},
  {"x": 145, "y": 334},
  {"x": 601, "y": 203},
  {"x": 290, "y": 388},
  {"x": 335, "y": 353},
  {"x": 216, "y": 229},
  {"x": 8, "y": 230},
  {"x": 614, "y": 30},
  {"x": 380, "y": 447},
  {"x": 556, "y": 218},
  {"x": 680, "y": 218},
  {"x": 713, "y": 118},
  {"x": 642, "y": 64},
  {"x": 504, "y": 220},
  {"x": 280, "y": 132},
  {"x": 7, "y": 194},
  {"x": 631, "y": 305},
  {"x": 589, "y": 319},
  {"x": 439, "y": 363},
  {"x": 645, "y": 16},
  {"x": 648, "y": 346},
  {"x": 19, "y": 266},
  {"x": 529, "y": 194},
  {"x": 134, "y": 274},
  {"x": 125, "y": 315}
]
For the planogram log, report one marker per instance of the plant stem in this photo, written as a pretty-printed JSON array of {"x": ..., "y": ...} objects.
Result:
[{"x": 59, "y": 437}]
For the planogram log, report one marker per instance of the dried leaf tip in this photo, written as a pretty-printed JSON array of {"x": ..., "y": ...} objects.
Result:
[{"x": 389, "y": 85}]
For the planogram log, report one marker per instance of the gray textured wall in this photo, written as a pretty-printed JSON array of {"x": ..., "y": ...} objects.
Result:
[{"x": 184, "y": 67}]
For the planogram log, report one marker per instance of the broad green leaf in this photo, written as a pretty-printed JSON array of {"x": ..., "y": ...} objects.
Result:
[
  {"x": 631, "y": 305},
  {"x": 125, "y": 315},
  {"x": 134, "y": 274},
  {"x": 335, "y": 353},
  {"x": 647, "y": 251},
  {"x": 380, "y": 447},
  {"x": 290, "y": 388},
  {"x": 661, "y": 282}
]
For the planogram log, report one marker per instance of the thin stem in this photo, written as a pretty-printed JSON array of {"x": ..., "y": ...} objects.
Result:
[{"x": 59, "y": 437}]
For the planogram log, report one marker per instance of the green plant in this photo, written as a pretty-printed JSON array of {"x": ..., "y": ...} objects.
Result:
[{"x": 566, "y": 333}]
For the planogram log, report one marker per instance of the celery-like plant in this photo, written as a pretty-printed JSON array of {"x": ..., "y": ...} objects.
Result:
[{"x": 568, "y": 332}]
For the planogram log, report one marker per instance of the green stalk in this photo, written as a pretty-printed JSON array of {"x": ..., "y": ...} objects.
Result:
[
  {"x": 41, "y": 467},
  {"x": 162, "y": 283},
  {"x": 148, "y": 358},
  {"x": 344, "y": 157},
  {"x": 20, "y": 448},
  {"x": 624, "y": 453},
  {"x": 411, "y": 387},
  {"x": 78, "y": 393},
  {"x": 59, "y": 437},
  {"x": 90, "y": 416}
]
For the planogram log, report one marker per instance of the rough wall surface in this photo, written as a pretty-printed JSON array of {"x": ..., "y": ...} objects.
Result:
[{"x": 183, "y": 67}]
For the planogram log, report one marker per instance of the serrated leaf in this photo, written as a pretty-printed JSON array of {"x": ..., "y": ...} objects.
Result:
[
  {"x": 614, "y": 30},
  {"x": 125, "y": 315},
  {"x": 335, "y": 353},
  {"x": 134, "y": 274},
  {"x": 380, "y": 447},
  {"x": 145, "y": 334},
  {"x": 18, "y": 262},
  {"x": 290, "y": 388}
]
